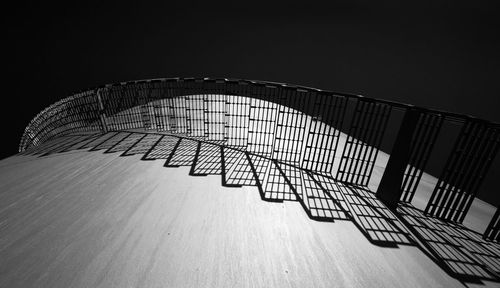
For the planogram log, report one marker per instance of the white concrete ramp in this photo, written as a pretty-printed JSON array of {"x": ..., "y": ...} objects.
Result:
[{"x": 92, "y": 219}]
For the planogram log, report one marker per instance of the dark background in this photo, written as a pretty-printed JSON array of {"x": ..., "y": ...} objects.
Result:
[{"x": 438, "y": 54}]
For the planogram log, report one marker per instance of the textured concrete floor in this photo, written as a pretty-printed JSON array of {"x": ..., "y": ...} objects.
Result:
[{"x": 88, "y": 219}]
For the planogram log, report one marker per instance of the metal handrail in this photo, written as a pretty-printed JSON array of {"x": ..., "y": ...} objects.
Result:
[{"x": 92, "y": 109}]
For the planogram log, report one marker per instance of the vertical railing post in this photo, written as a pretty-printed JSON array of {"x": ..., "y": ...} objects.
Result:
[
  {"x": 102, "y": 113},
  {"x": 389, "y": 190},
  {"x": 492, "y": 232}
]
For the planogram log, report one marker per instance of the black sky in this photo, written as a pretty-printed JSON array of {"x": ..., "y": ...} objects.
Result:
[{"x": 438, "y": 54}]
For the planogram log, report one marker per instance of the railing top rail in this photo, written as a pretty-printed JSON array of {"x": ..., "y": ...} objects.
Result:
[
  {"x": 142, "y": 84},
  {"x": 270, "y": 84}
]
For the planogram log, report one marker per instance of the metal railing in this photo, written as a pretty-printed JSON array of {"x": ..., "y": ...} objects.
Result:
[{"x": 299, "y": 126}]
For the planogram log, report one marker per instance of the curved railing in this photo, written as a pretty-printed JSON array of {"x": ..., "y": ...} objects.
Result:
[{"x": 299, "y": 126}]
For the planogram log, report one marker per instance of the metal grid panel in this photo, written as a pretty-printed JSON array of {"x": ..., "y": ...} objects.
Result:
[
  {"x": 363, "y": 142},
  {"x": 324, "y": 132},
  {"x": 178, "y": 116},
  {"x": 423, "y": 140},
  {"x": 215, "y": 117},
  {"x": 143, "y": 95},
  {"x": 81, "y": 113},
  {"x": 75, "y": 113},
  {"x": 151, "y": 102},
  {"x": 273, "y": 130},
  {"x": 164, "y": 114},
  {"x": 35, "y": 148},
  {"x": 262, "y": 123},
  {"x": 121, "y": 107},
  {"x": 196, "y": 116},
  {"x": 237, "y": 121},
  {"x": 290, "y": 125},
  {"x": 475, "y": 148}
]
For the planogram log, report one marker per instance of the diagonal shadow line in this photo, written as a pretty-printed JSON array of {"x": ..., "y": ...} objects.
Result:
[
  {"x": 209, "y": 161},
  {"x": 224, "y": 179},
  {"x": 429, "y": 251},
  {"x": 347, "y": 212},
  {"x": 112, "y": 141},
  {"x": 382, "y": 243},
  {"x": 319, "y": 201},
  {"x": 80, "y": 145},
  {"x": 61, "y": 147},
  {"x": 299, "y": 199},
  {"x": 353, "y": 188},
  {"x": 377, "y": 228},
  {"x": 487, "y": 249},
  {"x": 171, "y": 155},
  {"x": 58, "y": 145},
  {"x": 434, "y": 254},
  {"x": 94, "y": 147},
  {"x": 145, "y": 156},
  {"x": 182, "y": 154},
  {"x": 481, "y": 255},
  {"x": 257, "y": 181},
  {"x": 117, "y": 144},
  {"x": 195, "y": 160},
  {"x": 364, "y": 230},
  {"x": 259, "y": 185},
  {"x": 131, "y": 140},
  {"x": 463, "y": 242},
  {"x": 273, "y": 182},
  {"x": 125, "y": 153},
  {"x": 51, "y": 144},
  {"x": 238, "y": 168}
]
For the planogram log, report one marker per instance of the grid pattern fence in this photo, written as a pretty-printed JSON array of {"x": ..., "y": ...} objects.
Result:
[{"x": 292, "y": 139}]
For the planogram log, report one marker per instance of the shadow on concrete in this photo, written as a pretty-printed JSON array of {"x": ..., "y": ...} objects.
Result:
[{"x": 459, "y": 251}]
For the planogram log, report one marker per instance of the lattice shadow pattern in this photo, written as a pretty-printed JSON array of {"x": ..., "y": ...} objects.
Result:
[
  {"x": 460, "y": 252},
  {"x": 457, "y": 250}
]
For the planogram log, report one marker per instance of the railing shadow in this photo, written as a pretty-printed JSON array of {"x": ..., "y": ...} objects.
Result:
[
  {"x": 456, "y": 249},
  {"x": 459, "y": 251}
]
